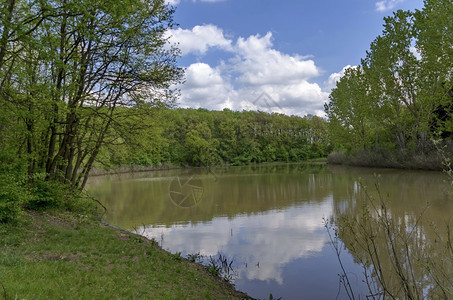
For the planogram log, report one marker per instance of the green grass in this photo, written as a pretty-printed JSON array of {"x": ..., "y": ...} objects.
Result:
[{"x": 64, "y": 256}]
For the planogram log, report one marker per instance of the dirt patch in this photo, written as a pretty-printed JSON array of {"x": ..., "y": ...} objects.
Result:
[
  {"x": 61, "y": 220},
  {"x": 122, "y": 236},
  {"x": 127, "y": 236},
  {"x": 53, "y": 257}
]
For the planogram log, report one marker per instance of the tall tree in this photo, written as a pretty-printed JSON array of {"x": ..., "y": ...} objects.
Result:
[
  {"x": 349, "y": 111},
  {"x": 407, "y": 76},
  {"x": 434, "y": 27},
  {"x": 84, "y": 61}
]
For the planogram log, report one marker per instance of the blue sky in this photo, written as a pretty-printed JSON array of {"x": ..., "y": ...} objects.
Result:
[{"x": 292, "y": 51}]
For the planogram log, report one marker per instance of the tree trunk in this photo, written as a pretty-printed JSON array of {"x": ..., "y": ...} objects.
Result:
[{"x": 4, "y": 39}]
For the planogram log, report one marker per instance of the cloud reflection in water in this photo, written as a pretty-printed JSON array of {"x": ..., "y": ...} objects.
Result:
[{"x": 260, "y": 244}]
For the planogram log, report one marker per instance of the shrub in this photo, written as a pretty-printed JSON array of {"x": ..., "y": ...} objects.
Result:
[
  {"x": 371, "y": 158},
  {"x": 56, "y": 195},
  {"x": 13, "y": 195},
  {"x": 336, "y": 158},
  {"x": 47, "y": 194},
  {"x": 81, "y": 205}
]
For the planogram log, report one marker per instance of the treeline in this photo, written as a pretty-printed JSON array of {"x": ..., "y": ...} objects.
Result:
[
  {"x": 399, "y": 100},
  {"x": 198, "y": 137}
]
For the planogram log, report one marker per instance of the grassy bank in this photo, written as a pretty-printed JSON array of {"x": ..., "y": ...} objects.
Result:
[{"x": 69, "y": 256}]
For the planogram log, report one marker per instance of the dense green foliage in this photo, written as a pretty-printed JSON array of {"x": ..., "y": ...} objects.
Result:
[
  {"x": 401, "y": 96},
  {"x": 12, "y": 194},
  {"x": 198, "y": 137},
  {"x": 66, "y": 68}
]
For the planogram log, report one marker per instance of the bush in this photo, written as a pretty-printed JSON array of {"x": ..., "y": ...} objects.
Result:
[
  {"x": 56, "y": 195},
  {"x": 47, "y": 194},
  {"x": 433, "y": 159},
  {"x": 372, "y": 158},
  {"x": 13, "y": 195},
  {"x": 17, "y": 194},
  {"x": 336, "y": 158},
  {"x": 81, "y": 205}
]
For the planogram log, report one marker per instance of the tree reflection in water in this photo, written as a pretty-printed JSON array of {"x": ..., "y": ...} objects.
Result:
[{"x": 405, "y": 254}]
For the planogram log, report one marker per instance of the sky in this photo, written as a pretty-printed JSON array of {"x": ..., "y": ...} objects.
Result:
[{"x": 275, "y": 56}]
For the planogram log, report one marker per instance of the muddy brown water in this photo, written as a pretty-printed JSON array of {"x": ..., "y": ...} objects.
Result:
[{"x": 267, "y": 220}]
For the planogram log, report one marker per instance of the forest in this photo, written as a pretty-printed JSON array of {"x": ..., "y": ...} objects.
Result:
[
  {"x": 395, "y": 108},
  {"x": 202, "y": 138}
]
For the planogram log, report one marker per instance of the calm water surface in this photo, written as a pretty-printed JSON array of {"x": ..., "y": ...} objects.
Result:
[{"x": 266, "y": 219}]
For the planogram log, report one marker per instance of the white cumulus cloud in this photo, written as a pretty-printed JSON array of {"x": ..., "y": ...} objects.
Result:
[
  {"x": 260, "y": 64},
  {"x": 254, "y": 67},
  {"x": 199, "y": 39},
  {"x": 176, "y": 2},
  {"x": 205, "y": 87},
  {"x": 385, "y": 5},
  {"x": 201, "y": 75},
  {"x": 173, "y": 2},
  {"x": 335, "y": 77}
]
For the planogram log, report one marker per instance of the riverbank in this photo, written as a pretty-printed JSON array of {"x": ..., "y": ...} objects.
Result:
[
  {"x": 434, "y": 161},
  {"x": 131, "y": 169},
  {"x": 70, "y": 256},
  {"x": 148, "y": 168}
]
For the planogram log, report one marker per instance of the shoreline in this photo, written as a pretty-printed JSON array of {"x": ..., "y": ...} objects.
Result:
[
  {"x": 139, "y": 236},
  {"x": 66, "y": 255},
  {"x": 148, "y": 168},
  {"x": 434, "y": 161},
  {"x": 371, "y": 159}
]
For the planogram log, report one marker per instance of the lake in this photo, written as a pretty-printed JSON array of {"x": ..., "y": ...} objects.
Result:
[{"x": 267, "y": 220}]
